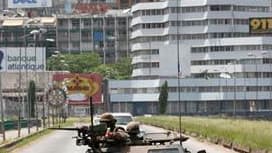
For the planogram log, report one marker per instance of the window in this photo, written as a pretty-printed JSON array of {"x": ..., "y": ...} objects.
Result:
[
  {"x": 75, "y": 23},
  {"x": 220, "y": 8}
]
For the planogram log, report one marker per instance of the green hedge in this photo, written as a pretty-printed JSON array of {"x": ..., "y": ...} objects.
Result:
[{"x": 13, "y": 124}]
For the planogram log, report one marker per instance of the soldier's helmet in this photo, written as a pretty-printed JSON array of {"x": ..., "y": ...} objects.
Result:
[
  {"x": 133, "y": 127},
  {"x": 107, "y": 117}
]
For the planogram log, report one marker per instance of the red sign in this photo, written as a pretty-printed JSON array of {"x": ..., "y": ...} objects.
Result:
[
  {"x": 80, "y": 87},
  {"x": 91, "y": 8}
]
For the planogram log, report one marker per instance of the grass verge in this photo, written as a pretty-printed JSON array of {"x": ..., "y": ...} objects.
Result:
[{"x": 253, "y": 134}]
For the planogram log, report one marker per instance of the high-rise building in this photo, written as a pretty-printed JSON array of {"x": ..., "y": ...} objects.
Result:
[
  {"x": 106, "y": 34},
  {"x": 205, "y": 39},
  {"x": 3, "y": 4},
  {"x": 15, "y": 32},
  {"x": 206, "y": 53}
]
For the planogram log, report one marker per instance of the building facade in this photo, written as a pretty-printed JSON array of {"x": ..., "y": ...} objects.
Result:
[
  {"x": 116, "y": 4},
  {"x": 195, "y": 40},
  {"x": 57, "y": 7},
  {"x": 3, "y": 4},
  {"x": 16, "y": 32},
  {"x": 106, "y": 34}
]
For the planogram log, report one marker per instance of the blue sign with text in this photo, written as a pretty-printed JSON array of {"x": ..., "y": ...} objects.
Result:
[
  {"x": 25, "y": 1},
  {"x": 29, "y": 3}
]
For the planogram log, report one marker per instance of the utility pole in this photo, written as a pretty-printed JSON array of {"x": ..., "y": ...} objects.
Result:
[
  {"x": 178, "y": 68},
  {"x": 2, "y": 109}
]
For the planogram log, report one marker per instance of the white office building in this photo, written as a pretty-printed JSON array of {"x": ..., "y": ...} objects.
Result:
[
  {"x": 107, "y": 34},
  {"x": 223, "y": 68}
]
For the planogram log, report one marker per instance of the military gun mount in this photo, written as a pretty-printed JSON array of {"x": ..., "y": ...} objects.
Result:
[{"x": 94, "y": 137}]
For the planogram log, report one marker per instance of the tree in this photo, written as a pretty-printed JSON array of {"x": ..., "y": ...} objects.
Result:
[
  {"x": 76, "y": 63},
  {"x": 124, "y": 68},
  {"x": 90, "y": 62},
  {"x": 82, "y": 63},
  {"x": 31, "y": 94},
  {"x": 107, "y": 72},
  {"x": 163, "y": 98}
]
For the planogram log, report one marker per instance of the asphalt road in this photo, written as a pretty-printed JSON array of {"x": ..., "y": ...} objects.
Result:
[
  {"x": 56, "y": 142},
  {"x": 62, "y": 142}
]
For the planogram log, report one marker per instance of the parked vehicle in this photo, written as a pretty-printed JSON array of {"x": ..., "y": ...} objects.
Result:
[{"x": 122, "y": 119}]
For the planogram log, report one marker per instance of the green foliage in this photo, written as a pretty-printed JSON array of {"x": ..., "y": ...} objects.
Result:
[
  {"x": 80, "y": 63},
  {"x": 124, "y": 68},
  {"x": 106, "y": 71},
  {"x": 75, "y": 63},
  {"x": 31, "y": 94},
  {"x": 254, "y": 134},
  {"x": 163, "y": 98},
  {"x": 90, "y": 62}
]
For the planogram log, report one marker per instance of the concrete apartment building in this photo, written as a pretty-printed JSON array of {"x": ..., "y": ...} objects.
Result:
[
  {"x": 213, "y": 41},
  {"x": 106, "y": 34},
  {"x": 222, "y": 67}
]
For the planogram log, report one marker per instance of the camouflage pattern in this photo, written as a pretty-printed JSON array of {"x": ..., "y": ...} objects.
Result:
[
  {"x": 117, "y": 133},
  {"x": 133, "y": 127},
  {"x": 107, "y": 117}
]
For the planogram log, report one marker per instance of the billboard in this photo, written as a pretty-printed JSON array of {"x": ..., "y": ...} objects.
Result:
[
  {"x": 93, "y": 8},
  {"x": 29, "y": 3},
  {"x": 79, "y": 87},
  {"x": 24, "y": 59},
  {"x": 260, "y": 25}
]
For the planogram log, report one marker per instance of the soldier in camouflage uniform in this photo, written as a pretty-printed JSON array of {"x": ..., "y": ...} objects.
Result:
[
  {"x": 118, "y": 135},
  {"x": 133, "y": 129}
]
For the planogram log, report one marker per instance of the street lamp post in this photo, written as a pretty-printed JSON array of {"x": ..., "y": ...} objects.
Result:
[
  {"x": 44, "y": 99},
  {"x": 1, "y": 100},
  {"x": 178, "y": 66},
  {"x": 47, "y": 46},
  {"x": 35, "y": 78},
  {"x": 19, "y": 101},
  {"x": 33, "y": 32},
  {"x": 61, "y": 107},
  {"x": 104, "y": 41},
  {"x": 2, "y": 109},
  {"x": 26, "y": 81},
  {"x": 55, "y": 111},
  {"x": 36, "y": 33}
]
